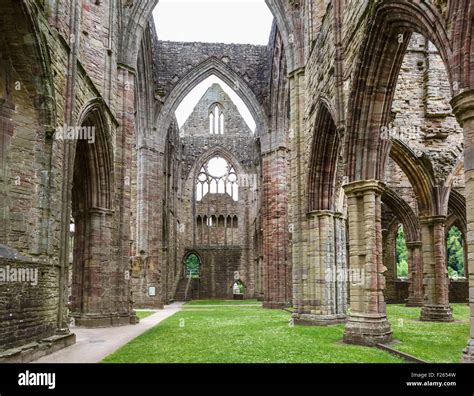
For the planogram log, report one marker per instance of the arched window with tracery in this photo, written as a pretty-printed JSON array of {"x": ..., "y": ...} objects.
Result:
[
  {"x": 216, "y": 119},
  {"x": 217, "y": 176}
]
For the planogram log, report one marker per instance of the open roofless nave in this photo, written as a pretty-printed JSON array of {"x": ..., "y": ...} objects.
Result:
[{"x": 352, "y": 188}]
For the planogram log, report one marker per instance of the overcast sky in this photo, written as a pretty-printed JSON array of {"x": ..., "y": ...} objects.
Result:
[{"x": 223, "y": 21}]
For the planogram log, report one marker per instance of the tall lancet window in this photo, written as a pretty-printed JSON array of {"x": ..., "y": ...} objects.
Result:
[
  {"x": 217, "y": 176},
  {"x": 216, "y": 119}
]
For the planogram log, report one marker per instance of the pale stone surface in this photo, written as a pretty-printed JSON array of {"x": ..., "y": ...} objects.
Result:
[{"x": 93, "y": 345}]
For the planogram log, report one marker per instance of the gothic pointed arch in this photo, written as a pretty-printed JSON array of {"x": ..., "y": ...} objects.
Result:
[
  {"x": 134, "y": 19},
  {"x": 95, "y": 159},
  {"x": 457, "y": 204},
  {"x": 419, "y": 173},
  {"x": 374, "y": 82},
  {"x": 324, "y": 153},
  {"x": 136, "y": 15},
  {"x": 92, "y": 213},
  {"x": 404, "y": 214},
  {"x": 212, "y": 66},
  {"x": 31, "y": 61}
]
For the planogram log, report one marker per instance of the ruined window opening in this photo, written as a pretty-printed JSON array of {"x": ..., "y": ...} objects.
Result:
[
  {"x": 72, "y": 229},
  {"x": 401, "y": 254},
  {"x": 211, "y": 123},
  {"x": 221, "y": 221},
  {"x": 455, "y": 253},
  {"x": 216, "y": 119},
  {"x": 217, "y": 176}
]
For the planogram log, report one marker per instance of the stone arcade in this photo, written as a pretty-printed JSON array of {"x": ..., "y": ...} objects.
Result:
[{"x": 364, "y": 115}]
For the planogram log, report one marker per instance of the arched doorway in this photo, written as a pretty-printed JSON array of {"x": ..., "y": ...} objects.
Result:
[
  {"x": 98, "y": 291},
  {"x": 192, "y": 266},
  {"x": 238, "y": 290},
  {"x": 189, "y": 284}
]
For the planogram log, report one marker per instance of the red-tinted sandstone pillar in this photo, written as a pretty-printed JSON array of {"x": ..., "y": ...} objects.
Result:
[
  {"x": 367, "y": 323},
  {"x": 276, "y": 260},
  {"x": 322, "y": 297},
  {"x": 435, "y": 271},
  {"x": 415, "y": 269},
  {"x": 463, "y": 107}
]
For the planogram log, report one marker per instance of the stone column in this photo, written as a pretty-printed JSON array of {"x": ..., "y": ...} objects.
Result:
[
  {"x": 341, "y": 297},
  {"x": 322, "y": 301},
  {"x": 125, "y": 138},
  {"x": 149, "y": 226},
  {"x": 367, "y": 323},
  {"x": 67, "y": 170},
  {"x": 297, "y": 181},
  {"x": 463, "y": 108},
  {"x": 435, "y": 271},
  {"x": 6, "y": 132},
  {"x": 97, "y": 301},
  {"x": 277, "y": 276},
  {"x": 390, "y": 262},
  {"x": 415, "y": 272}
]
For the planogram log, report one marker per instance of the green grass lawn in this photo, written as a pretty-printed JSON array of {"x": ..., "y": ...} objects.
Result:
[
  {"x": 143, "y": 313},
  {"x": 212, "y": 332},
  {"x": 433, "y": 342},
  {"x": 224, "y": 302}
]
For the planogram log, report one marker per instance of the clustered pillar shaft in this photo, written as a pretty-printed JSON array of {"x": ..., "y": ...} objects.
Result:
[
  {"x": 367, "y": 323},
  {"x": 463, "y": 108},
  {"x": 415, "y": 269},
  {"x": 435, "y": 272},
  {"x": 322, "y": 300}
]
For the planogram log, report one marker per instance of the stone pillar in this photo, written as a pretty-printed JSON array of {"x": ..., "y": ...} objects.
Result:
[
  {"x": 277, "y": 275},
  {"x": 367, "y": 323},
  {"x": 96, "y": 274},
  {"x": 435, "y": 271},
  {"x": 390, "y": 262},
  {"x": 6, "y": 132},
  {"x": 149, "y": 228},
  {"x": 463, "y": 108},
  {"x": 125, "y": 139},
  {"x": 322, "y": 281},
  {"x": 415, "y": 273},
  {"x": 297, "y": 181},
  {"x": 341, "y": 297}
]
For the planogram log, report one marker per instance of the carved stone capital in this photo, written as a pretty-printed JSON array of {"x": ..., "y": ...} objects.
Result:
[
  {"x": 463, "y": 106},
  {"x": 363, "y": 187},
  {"x": 432, "y": 220}
]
